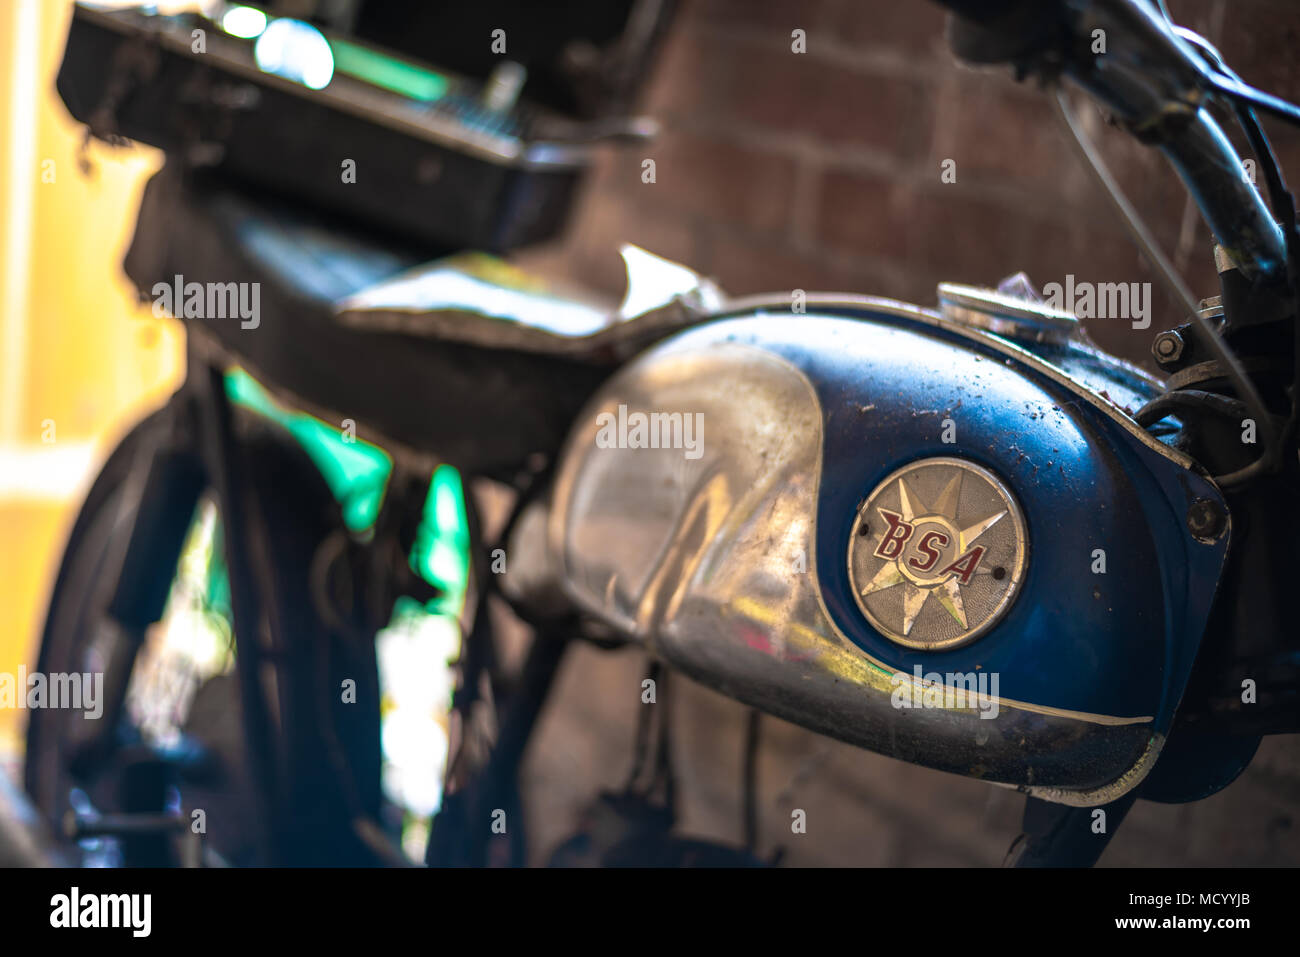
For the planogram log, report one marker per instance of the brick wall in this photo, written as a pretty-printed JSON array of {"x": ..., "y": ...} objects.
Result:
[{"x": 822, "y": 170}]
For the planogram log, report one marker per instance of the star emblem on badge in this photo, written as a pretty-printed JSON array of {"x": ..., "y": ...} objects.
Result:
[{"x": 934, "y": 534}]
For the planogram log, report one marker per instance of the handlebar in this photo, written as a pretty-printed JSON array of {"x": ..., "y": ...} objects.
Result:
[{"x": 1154, "y": 84}]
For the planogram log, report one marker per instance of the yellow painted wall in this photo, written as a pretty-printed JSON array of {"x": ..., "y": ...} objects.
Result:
[{"x": 80, "y": 360}]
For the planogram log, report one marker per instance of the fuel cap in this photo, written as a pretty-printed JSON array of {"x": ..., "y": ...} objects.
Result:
[{"x": 1006, "y": 314}]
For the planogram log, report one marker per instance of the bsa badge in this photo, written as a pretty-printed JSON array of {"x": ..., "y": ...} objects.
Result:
[{"x": 937, "y": 553}]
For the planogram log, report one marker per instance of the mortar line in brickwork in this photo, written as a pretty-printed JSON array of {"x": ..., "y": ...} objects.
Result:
[{"x": 825, "y": 48}]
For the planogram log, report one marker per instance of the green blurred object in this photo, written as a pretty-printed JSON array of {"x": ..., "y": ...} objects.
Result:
[
  {"x": 356, "y": 471},
  {"x": 357, "y": 474},
  {"x": 415, "y": 651},
  {"x": 389, "y": 73},
  {"x": 441, "y": 552}
]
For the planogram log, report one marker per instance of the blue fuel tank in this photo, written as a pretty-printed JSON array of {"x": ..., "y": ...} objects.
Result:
[{"x": 903, "y": 531}]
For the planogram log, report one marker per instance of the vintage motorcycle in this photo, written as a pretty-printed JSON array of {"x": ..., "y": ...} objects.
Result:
[{"x": 877, "y": 520}]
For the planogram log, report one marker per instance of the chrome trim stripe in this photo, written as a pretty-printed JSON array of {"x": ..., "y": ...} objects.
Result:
[
  {"x": 1107, "y": 792},
  {"x": 764, "y": 616}
]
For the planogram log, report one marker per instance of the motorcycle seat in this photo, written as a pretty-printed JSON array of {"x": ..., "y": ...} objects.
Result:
[
  {"x": 479, "y": 300},
  {"x": 459, "y": 360}
]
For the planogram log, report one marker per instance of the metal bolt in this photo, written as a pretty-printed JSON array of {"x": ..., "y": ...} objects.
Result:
[
  {"x": 1168, "y": 347},
  {"x": 1205, "y": 520}
]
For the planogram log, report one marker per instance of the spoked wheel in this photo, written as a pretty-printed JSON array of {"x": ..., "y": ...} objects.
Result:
[
  {"x": 104, "y": 802},
  {"x": 165, "y": 777}
]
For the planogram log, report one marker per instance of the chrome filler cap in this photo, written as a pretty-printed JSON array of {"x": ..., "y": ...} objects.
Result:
[{"x": 1012, "y": 310}]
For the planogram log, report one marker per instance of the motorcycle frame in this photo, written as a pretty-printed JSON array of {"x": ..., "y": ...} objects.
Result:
[{"x": 201, "y": 452}]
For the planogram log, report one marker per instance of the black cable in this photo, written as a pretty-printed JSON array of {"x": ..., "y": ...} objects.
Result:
[
  {"x": 1226, "y": 82},
  {"x": 664, "y": 774},
  {"x": 642, "y": 745},
  {"x": 1231, "y": 367},
  {"x": 1283, "y": 206},
  {"x": 1283, "y": 203},
  {"x": 1235, "y": 89},
  {"x": 750, "y": 778},
  {"x": 1185, "y": 401}
]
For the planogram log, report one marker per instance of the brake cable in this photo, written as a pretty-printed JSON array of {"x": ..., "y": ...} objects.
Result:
[
  {"x": 1280, "y": 198},
  {"x": 1246, "y": 390}
]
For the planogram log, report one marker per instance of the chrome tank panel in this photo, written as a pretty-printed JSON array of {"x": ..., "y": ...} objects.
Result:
[{"x": 731, "y": 565}]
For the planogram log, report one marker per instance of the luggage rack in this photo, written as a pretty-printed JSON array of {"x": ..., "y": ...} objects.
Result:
[{"x": 442, "y": 160}]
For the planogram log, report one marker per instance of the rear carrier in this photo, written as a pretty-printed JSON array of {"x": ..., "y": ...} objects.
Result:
[{"x": 358, "y": 121}]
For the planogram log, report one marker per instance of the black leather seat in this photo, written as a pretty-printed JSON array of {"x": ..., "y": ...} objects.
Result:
[{"x": 481, "y": 403}]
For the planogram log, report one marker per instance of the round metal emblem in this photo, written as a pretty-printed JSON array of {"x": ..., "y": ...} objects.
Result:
[{"x": 937, "y": 553}]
